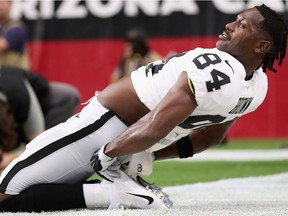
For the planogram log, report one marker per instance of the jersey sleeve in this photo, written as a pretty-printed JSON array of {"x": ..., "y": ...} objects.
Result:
[{"x": 216, "y": 84}]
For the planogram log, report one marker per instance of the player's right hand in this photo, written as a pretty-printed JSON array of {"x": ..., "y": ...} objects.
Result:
[{"x": 105, "y": 166}]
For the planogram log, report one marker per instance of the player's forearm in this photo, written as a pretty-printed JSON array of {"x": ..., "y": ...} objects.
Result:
[
  {"x": 169, "y": 152},
  {"x": 199, "y": 140},
  {"x": 138, "y": 137},
  {"x": 182, "y": 148}
]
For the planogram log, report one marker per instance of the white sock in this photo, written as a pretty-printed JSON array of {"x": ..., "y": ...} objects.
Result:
[{"x": 96, "y": 196}]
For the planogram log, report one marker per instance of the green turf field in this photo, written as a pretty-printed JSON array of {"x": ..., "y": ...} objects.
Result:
[{"x": 168, "y": 173}]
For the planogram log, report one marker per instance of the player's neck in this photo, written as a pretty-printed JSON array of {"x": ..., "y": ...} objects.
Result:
[
  {"x": 251, "y": 69},
  {"x": 251, "y": 64}
]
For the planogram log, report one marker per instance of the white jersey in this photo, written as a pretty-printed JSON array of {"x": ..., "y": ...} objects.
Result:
[{"x": 221, "y": 92}]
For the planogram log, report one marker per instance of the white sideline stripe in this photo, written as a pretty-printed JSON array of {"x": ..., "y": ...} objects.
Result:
[{"x": 239, "y": 155}]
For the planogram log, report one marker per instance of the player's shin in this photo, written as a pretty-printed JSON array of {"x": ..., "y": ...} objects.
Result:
[{"x": 46, "y": 197}]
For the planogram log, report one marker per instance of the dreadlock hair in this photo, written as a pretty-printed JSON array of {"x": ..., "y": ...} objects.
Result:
[{"x": 274, "y": 25}]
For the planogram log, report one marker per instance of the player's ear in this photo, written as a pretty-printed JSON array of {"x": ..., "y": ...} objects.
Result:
[{"x": 263, "y": 47}]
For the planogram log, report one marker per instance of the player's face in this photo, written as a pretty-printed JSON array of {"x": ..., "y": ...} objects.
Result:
[{"x": 242, "y": 35}]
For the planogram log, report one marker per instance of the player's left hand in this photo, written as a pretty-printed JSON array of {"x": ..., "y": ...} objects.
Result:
[{"x": 105, "y": 166}]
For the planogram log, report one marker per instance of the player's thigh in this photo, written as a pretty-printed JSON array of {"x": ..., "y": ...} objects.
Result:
[{"x": 62, "y": 154}]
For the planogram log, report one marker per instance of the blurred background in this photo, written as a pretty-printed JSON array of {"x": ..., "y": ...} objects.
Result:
[{"x": 81, "y": 43}]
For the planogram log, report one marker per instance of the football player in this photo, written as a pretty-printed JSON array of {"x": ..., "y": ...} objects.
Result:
[{"x": 173, "y": 108}]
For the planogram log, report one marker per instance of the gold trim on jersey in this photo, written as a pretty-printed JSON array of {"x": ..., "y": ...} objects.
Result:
[{"x": 191, "y": 85}]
